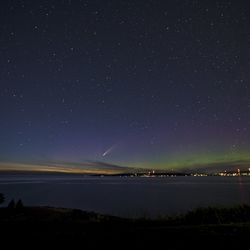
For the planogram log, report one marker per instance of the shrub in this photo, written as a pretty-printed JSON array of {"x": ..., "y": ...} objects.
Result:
[
  {"x": 2, "y": 198},
  {"x": 19, "y": 205},
  {"x": 11, "y": 205}
]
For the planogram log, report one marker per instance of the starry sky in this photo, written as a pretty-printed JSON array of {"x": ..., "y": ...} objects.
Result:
[{"x": 125, "y": 83}]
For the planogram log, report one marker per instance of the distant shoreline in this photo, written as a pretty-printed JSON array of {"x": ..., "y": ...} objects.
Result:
[{"x": 141, "y": 174}]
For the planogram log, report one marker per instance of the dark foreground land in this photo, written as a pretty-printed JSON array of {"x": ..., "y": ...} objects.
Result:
[{"x": 199, "y": 229}]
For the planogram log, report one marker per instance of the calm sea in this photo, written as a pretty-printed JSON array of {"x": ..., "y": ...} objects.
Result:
[{"x": 127, "y": 197}]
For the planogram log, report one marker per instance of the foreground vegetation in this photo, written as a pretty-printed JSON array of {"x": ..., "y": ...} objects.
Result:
[{"x": 204, "y": 227}]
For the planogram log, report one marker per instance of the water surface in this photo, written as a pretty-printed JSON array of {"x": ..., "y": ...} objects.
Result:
[{"x": 126, "y": 196}]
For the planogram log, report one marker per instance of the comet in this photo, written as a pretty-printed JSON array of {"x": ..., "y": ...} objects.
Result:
[{"x": 108, "y": 151}]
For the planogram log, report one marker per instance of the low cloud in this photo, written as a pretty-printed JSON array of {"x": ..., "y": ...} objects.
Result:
[{"x": 88, "y": 167}]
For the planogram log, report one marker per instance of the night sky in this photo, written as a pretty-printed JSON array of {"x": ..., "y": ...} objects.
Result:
[{"x": 141, "y": 84}]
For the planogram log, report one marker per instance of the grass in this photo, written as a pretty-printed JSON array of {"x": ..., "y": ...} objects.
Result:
[{"x": 212, "y": 226}]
